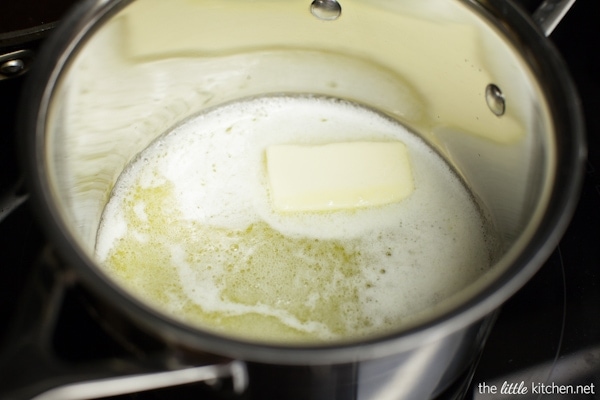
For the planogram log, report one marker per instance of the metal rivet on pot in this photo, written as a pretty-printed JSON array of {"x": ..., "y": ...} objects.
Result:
[
  {"x": 15, "y": 63},
  {"x": 327, "y": 10},
  {"x": 12, "y": 67},
  {"x": 495, "y": 99}
]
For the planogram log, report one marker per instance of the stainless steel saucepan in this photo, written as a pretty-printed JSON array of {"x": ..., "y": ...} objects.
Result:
[{"x": 476, "y": 79}]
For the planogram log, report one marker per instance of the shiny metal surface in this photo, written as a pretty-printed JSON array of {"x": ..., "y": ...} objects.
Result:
[
  {"x": 15, "y": 63},
  {"x": 517, "y": 174},
  {"x": 327, "y": 10},
  {"x": 495, "y": 100},
  {"x": 12, "y": 198},
  {"x": 135, "y": 383},
  {"x": 549, "y": 14}
]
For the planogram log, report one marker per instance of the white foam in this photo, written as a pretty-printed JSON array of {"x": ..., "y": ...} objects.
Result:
[{"x": 405, "y": 256}]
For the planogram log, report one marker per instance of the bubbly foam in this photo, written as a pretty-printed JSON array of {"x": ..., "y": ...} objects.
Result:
[{"x": 189, "y": 228}]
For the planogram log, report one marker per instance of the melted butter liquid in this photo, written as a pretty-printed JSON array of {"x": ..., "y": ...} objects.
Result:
[
  {"x": 190, "y": 230},
  {"x": 234, "y": 260}
]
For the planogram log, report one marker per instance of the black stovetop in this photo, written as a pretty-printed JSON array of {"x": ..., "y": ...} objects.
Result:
[{"x": 549, "y": 333}]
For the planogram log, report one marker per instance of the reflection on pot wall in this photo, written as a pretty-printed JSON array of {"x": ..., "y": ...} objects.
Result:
[{"x": 425, "y": 63}]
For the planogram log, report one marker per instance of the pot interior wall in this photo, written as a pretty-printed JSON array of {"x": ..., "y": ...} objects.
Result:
[{"x": 425, "y": 63}]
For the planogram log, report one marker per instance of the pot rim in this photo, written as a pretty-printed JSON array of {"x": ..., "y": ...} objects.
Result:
[{"x": 542, "y": 58}]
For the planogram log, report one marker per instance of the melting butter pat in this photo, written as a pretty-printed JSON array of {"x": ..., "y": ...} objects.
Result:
[{"x": 338, "y": 176}]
